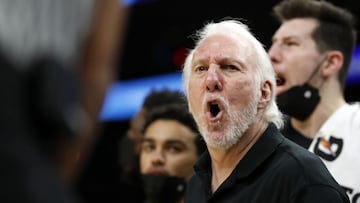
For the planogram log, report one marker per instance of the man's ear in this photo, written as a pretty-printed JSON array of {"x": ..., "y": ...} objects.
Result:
[
  {"x": 333, "y": 64},
  {"x": 266, "y": 94}
]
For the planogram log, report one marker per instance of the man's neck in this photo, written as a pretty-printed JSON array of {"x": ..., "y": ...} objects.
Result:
[
  {"x": 224, "y": 161},
  {"x": 327, "y": 106}
]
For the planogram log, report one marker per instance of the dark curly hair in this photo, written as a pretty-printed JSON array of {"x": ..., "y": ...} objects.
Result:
[
  {"x": 164, "y": 96},
  {"x": 179, "y": 113}
]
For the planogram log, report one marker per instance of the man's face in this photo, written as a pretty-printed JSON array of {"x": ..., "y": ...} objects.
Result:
[
  {"x": 168, "y": 148},
  {"x": 293, "y": 53},
  {"x": 222, "y": 92}
]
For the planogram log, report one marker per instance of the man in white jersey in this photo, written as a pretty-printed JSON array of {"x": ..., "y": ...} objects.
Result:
[{"x": 311, "y": 52}]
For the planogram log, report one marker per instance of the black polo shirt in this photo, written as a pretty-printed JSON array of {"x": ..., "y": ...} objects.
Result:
[{"x": 274, "y": 170}]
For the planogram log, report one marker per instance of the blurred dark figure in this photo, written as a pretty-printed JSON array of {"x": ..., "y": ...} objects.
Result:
[{"x": 52, "y": 53}]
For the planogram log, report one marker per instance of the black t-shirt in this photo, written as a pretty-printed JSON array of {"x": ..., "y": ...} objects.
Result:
[
  {"x": 292, "y": 134},
  {"x": 275, "y": 170}
]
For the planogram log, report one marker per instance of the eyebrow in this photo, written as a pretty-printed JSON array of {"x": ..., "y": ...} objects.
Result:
[
  {"x": 168, "y": 141},
  {"x": 220, "y": 61},
  {"x": 175, "y": 142},
  {"x": 145, "y": 139},
  {"x": 291, "y": 37}
]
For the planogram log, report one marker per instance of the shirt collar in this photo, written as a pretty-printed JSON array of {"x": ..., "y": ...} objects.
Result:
[{"x": 258, "y": 153}]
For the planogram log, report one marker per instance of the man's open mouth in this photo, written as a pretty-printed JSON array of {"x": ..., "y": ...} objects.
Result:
[
  {"x": 280, "y": 80},
  {"x": 214, "y": 109}
]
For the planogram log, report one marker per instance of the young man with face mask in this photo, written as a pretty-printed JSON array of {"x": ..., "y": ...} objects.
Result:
[
  {"x": 169, "y": 148},
  {"x": 230, "y": 86},
  {"x": 131, "y": 142},
  {"x": 311, "y": 52}
]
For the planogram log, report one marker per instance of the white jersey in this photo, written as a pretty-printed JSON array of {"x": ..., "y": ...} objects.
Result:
[{"x": 338, "y": 145}]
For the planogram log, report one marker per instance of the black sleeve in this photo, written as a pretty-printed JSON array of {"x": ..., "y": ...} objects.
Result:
[{"x": 320, "y": 194}]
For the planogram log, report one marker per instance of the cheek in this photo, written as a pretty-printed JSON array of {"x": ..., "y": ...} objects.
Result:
[
  {"x": 295, "y": 70},
  {"x": 195, "y": 96},
  {"x": 144, "y": 162},
  {"x": 241, "y": 93}
]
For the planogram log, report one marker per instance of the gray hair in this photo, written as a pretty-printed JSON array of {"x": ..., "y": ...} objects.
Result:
[{"x": 264, "y": 68}]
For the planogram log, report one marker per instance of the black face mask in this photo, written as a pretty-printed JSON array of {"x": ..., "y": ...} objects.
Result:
[
  {"x": 163, "y": 189},
  {"x": 299, "y": 101}
]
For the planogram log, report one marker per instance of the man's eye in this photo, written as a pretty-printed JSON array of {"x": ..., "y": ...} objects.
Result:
[
  {"x": 200, "y": 69},
  {"x": 291, "y": 43},
  {"x": 230, "y": 67},
  {"x": 147, "y": 147},
  {"x": 174, "y": 149}
]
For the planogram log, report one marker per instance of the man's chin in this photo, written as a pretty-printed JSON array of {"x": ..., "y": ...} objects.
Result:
[{"x": 215, "y": 138}]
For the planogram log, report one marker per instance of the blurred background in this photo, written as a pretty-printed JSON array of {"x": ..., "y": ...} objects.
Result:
[{"x": 158, "y": 33}]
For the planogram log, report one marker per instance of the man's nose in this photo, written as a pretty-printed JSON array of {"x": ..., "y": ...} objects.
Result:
[
  {"x": 158, "y": 157},
  {"x": 213, "y": 78},
  {"x": 274, "y": 53}
]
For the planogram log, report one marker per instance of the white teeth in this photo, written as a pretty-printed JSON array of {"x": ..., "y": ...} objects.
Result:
[{"x": 212, "y": 103}]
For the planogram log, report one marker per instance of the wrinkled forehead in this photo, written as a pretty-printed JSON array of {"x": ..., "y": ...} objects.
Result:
[{"x": 224, "y": 46}]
